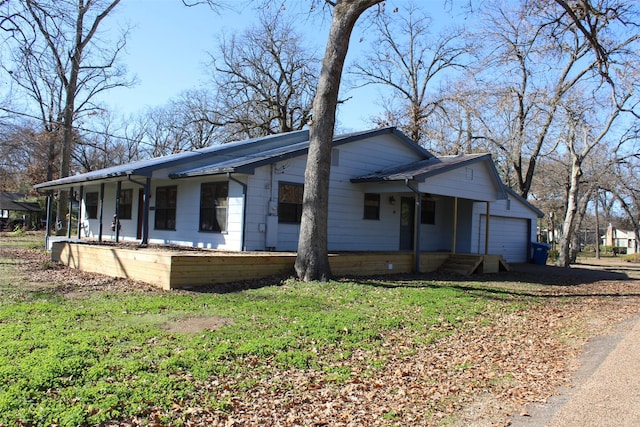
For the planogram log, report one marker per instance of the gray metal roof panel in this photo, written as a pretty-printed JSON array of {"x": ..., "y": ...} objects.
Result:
[
  {"x": 245, "y": 164},
  {"x": 242, "y": 156},
  {"x": 421, "y": 169},
  {"x": 248, "y": 163},
  {"x": 146, "y": 167}
]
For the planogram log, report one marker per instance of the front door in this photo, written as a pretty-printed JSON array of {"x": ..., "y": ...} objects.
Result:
[{"x": 407, "y": 219}]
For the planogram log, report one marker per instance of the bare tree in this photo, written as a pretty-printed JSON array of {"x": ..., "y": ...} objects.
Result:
[
  {"x": 584, "y": 133},
  {"x": 103, "y": 146},
  {"x": 535, "y": 59},
  {"x": 408, "y": 59},
  {"x": 62, "y": 64},
  {"x": 264, "y": 80},
  {"x": 195, "y": 115},
  {"x": 621, "y": 187},
  {"x": 23, "y": 156}
]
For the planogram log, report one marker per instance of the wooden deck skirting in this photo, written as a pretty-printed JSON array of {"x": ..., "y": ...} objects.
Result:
[{"x": 172, "y": 269}]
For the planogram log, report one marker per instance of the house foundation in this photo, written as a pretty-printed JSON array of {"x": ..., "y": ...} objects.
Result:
[{"x": 175, "y": 268}]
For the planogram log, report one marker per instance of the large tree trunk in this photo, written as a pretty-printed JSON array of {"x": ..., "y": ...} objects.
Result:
[
  {"x": 312, "y": 262},
  {"x": 564, "y": 257}
]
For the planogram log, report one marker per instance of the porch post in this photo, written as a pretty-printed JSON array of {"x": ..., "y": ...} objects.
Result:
[
  {"x": 48, "y": 221},
  {"x": 416, "y": 238},
  {"x": 70, "y": 210},
  {"x": 116, "y": 218},
  {"x": 486, "y": 232},
  {"x": 455, "y": 225},
  {"x": 145, "y": 213},
  {"x": 81, "y": 195},
  {"x": 101, "y": 211}
]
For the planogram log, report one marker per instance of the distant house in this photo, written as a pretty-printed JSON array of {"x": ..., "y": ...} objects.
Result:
[
  {"x": 15, "y": 210},
  {"x": 386, "y": 194},
  {"x": 621, "y": 239}
]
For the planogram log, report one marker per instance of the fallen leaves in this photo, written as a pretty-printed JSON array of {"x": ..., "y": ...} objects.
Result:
[{"x": 480, "y": 372}]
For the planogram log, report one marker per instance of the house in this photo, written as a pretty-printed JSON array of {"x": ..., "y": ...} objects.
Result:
[
  {"x": 624, "y": 240},
  {"x": 15, "y": 210},
  {"x": 386, "y": 194}
]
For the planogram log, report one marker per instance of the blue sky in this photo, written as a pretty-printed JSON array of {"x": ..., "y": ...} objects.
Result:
[{"x": 167, "y": 50}]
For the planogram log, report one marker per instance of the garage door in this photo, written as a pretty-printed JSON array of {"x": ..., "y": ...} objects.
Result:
[{"x": 508, "y": 237}]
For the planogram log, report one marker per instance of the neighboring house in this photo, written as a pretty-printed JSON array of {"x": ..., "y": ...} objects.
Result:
[
  {"x": 621, "y": 239},
  {"x": 247, "y": 196},
  {"x": 13, "y": 208}
]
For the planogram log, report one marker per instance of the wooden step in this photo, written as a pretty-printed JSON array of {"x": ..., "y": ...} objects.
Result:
[{"x": 463, "y": 264}]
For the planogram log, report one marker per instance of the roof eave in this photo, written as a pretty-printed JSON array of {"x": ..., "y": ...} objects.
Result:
[
  {"x": 73, "y": 181},
  {"x": 207, "y": 172}
]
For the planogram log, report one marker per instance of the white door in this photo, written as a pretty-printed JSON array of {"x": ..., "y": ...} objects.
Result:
[{"x": 508, "y": 237}]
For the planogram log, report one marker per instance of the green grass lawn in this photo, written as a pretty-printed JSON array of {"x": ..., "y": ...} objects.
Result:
[{"x": 99, "y": 356}]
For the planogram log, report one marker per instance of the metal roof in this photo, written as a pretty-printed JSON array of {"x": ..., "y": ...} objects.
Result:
[
  {"x": 422, "y": 169},
  {"x": 146, "y": 167},
  {"x": 247, "y": 162},
  {"x": 239, "y": 157}
]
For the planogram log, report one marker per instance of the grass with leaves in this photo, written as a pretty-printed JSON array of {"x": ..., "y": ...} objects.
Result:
[
  {"x": 111, "y": 356},
  {"x": 82, "y": 349}
]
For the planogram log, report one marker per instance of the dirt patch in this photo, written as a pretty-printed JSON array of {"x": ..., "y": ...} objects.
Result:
[
  {"x": 192, "y": 325},
  {"x": 40, "y": 274}
]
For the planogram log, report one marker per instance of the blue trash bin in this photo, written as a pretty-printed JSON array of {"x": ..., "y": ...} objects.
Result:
[{"x": 540, "y": 252}]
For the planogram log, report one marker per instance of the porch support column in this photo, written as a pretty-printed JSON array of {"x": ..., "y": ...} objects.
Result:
[
  {"x": 145, "y": 213},
  {"x": 243, "y": 246},
  {"x": 70, "y": 210},
  {"x": 455, "y": 225},
  {"x": 81, "y": 195},
  {"x": 416, "y": 237},
  {"x": 416, "y": 226},
  {"x": 116, "y": 217},
  {"x": 486, "y": 232},
  {"x": 48, "y": 221},
  {"x": 100, "y": 214}
]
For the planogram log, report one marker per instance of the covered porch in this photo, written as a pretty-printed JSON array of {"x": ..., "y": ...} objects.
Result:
[{"x": 438, "y": 204}]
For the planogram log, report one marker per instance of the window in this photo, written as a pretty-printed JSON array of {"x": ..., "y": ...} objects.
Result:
[
  {"x": 290, "y": 203},
  {"x": 427, "y": 211},
  {"x": 126, "y": 202},
  {"x": 166, "y": 208},
  {"x": 213, "y": 206},
  {"x": 371, "y": 206},
  {"x": 91, "y": 205}
]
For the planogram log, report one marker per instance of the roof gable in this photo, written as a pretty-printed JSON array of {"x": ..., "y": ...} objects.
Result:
[
  {"x": 524, "y": 202},
  {"x": 420, "y": 170},
  {"x": 439, "y": 169}
]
